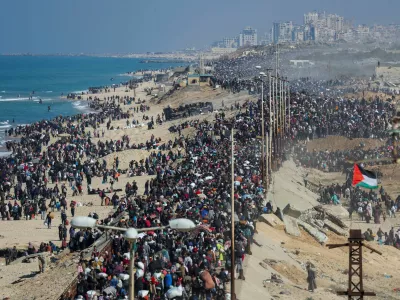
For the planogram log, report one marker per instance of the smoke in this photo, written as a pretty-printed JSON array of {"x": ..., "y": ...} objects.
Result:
[
  {"x": 342, "y": 60},
  {"x": 329, "y": 61}
]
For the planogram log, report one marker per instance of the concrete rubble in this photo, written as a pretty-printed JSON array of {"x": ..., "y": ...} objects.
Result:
[
  {"x": 334, "y": 228},
  {"x": 317, "y": 221},
  {"x": 290, "y": 210},
  {"x": 314, "y": 232},
  {"x": 272, "y": 220},
  {"x": 291, "y": 226},
  {"x": 331, "y": 217}
]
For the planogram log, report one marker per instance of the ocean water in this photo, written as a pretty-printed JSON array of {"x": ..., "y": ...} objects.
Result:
[{"x": 49, "y": 77}]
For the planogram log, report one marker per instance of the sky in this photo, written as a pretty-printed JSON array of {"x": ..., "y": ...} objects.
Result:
[{"x": 135, "y": 26}]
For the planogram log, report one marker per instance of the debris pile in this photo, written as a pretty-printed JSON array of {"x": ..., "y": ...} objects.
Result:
[{"x": 316, "y": 221}]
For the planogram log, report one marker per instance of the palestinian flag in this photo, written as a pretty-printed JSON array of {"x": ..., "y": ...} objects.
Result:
[{"x": 364, "y": 178}]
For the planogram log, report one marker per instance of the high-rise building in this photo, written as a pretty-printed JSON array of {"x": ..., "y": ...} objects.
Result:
[
  {"x": 347, "y": 25},
  {"x": 312, "y": 33},
  {"x": 298, "y": 34},
  {"x": 275, "y": 32},
  {"x": 339, "y": 24},
  {"x": 362, "y": 31},
  {"x": 285, "y": 31},
  {"x": 266, "y": 40},
  {"x": 282, "y": 32},
  {"x": 230, "y": 42},
  {"x": 248, "y": 37},
  {"x": 310, "y": 17},
  {"x": 334, "y": 22}
]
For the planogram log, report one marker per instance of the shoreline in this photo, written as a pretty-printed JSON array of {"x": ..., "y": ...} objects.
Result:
[
  {"x": 89, "y": 201},
  {"x": 85, "y": 96},
  {"x": 120, "y": 91}
]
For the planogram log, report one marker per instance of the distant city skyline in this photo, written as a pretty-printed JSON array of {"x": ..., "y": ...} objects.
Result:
[
  {"x": 100, "y": 26},
  {"x": 317, "y": 26}
]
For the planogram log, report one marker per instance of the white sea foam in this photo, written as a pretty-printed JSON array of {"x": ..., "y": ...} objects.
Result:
[
  {"x": 44, "y": 99},
  {"x": 5, "y": 122},
  {"x": 5, "y": 126},
  {"x": 80, "y": 105},
  {"x": 17, "y": 99},
  {"x": 49, "y": 91}
]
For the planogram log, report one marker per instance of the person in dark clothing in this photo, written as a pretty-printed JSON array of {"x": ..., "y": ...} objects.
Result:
[
  {"x": 312, "y": 285},
  {"x": 72, "y": 206},
  {"x": 48, "y": 220},
  {"x": 64, "y": 232},
  {"x": 60, "y": 232},
  {"x": 139, "y": 284},
  {"x": 63, "y": 217}
]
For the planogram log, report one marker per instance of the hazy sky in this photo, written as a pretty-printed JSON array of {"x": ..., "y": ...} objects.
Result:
[{"x": 123, "y": 26}]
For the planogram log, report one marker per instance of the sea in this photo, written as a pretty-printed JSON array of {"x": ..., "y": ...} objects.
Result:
[{"x": 48, "y": 77}]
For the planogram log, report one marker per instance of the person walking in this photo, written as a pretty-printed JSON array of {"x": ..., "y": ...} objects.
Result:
[
  {"x": 43, "y": 210},
  {"x": 312, "y": 285},
  {"x": 60, "y": 232},
  {"x": 48, "y": 220},
  {"x": 42, "y": 263},
  {"x": 63, "y": 217},
  {"x": 72, "y": 206}
]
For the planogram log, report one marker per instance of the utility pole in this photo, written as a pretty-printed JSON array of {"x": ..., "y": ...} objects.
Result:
[
  {"x": 275, "y": 88},
  {"x": 283, "y": 119},
  {"x": 355, "y": 290},
  {"x": 284, "y": 107},
  {"x": 289, "y": 120},
  {"x": 276, "y": 121},
  {"x": 262, "y": 130},
  {"x": 276, "y": 59},
  {"x": 266, "y": 163},
  {"x": 262, "y": 74},
  {"x": 269, "y": 137},
  {"x": 278, "y": 113},
  {"x": 273, "y": 115},
  {"x": 281, "y": 113},
  {"x": 233, "y": 295}
]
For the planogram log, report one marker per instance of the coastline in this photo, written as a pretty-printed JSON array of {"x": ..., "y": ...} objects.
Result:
[
  {"x": 138, "y": 135},
  {"x": 19, "y": 106},
  {"x": 87, "y": 99}
]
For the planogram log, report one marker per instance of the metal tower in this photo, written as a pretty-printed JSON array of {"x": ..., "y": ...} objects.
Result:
[{"x": 355, "y": 289}]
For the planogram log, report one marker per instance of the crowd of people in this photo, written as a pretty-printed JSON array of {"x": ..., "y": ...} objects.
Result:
[
  {"x": 338, "y": 161},
  {"x": 191, "y": 180},
  {"x": 370, "y": 206},
  {"x": 198, "y": 188}
]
